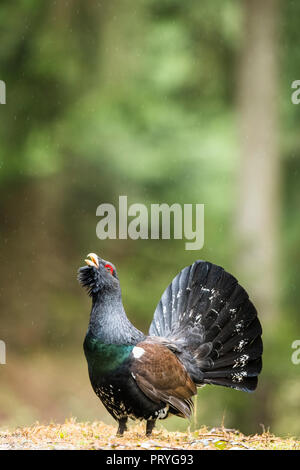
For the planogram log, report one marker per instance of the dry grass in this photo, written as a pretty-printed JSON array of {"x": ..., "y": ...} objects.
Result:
[{"x": 73, "y": 435}]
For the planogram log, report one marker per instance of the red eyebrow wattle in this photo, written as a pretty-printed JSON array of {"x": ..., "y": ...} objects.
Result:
[{"x": 108, "y": 266}]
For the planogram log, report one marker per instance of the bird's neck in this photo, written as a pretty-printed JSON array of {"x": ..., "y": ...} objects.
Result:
[{"x": 108, "y": 320}]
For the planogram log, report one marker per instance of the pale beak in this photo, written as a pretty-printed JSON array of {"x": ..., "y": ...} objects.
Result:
[{"x": 93, "y": 261}]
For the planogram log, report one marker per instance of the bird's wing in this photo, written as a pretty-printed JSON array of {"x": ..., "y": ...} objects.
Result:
[{"x": 162, "y": 377}]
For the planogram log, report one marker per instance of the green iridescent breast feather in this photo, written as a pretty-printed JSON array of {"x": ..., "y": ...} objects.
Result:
[{"x": 103, "y": 357}]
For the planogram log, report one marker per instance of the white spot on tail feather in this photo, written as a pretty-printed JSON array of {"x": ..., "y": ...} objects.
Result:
[
  {"x": 205, "y": 289},
  {"x": 241, "y": 361},
  {"x": 239, "y": 376},
  {"x": 239, "y": 347},
  {"x": 239, "y": 326}
]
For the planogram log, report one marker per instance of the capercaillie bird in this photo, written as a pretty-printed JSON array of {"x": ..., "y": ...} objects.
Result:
[{"x": 205, "y": 330}]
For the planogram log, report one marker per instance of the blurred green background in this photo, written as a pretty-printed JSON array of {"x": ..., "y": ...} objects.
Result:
[{"x": 162, "y": 101}]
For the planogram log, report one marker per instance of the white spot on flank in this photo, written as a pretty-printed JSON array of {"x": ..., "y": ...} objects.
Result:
[
  {"x": 161, "y": 414},
  {"x": 137, "y": 352}
]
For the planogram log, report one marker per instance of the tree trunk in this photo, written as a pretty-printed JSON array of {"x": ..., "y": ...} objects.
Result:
[{"x": 258, "y": 201}]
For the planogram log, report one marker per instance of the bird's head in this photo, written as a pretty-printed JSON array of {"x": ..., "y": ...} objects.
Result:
[{"x": 99, "y": 275}]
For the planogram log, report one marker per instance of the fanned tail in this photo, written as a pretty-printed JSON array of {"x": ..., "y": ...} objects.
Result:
[{"x": 212, "y": 325}]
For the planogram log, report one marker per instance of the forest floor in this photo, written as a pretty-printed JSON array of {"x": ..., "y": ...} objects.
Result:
[{"x": 73, "y": 435}]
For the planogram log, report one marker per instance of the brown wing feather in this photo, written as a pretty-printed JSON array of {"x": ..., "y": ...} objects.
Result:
[{"x": 162, "y": 377}]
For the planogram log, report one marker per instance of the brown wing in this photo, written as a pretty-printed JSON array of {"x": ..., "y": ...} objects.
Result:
[{"x": 162, "y": 377}]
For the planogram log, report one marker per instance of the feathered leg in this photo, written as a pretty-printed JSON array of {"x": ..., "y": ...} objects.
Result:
[
  {"x": 150, "y": 426},
  {"x": 122, "y": 426}
]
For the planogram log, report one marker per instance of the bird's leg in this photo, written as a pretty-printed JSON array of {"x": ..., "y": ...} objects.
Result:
[
  {"x": 150, "y": 426},
  {"x": 122, "y": 426}
]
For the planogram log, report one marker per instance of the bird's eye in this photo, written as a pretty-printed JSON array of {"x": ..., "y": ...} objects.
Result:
[{"x": 109, "y": 268}]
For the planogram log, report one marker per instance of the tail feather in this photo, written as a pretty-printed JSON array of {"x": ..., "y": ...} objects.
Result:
[
  {"x": 248, "y": 384},
  {"x": 253, "y": 368},
  {"x": 214, "y": 324},
  {"x": 235, "y": 359},
  {"x": 239, "y": 342}
]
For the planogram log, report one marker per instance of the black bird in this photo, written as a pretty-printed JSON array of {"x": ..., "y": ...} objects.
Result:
[{"x": 205, "y": 330}]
